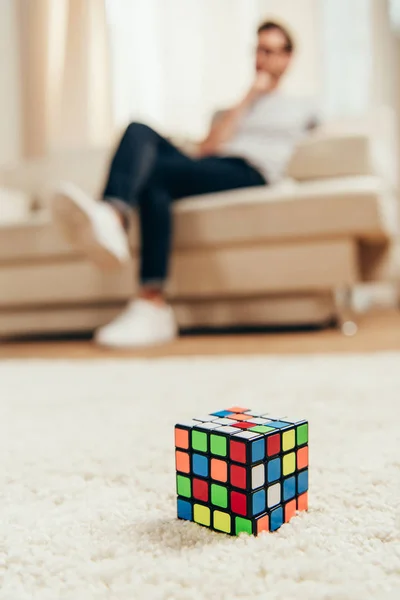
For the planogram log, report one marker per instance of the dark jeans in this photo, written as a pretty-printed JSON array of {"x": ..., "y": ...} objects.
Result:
[{"x": 147, "y": 171}]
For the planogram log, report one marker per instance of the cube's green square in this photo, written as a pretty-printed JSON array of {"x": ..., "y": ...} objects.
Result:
[
  {"x": 218, "y": 445},
  {"x": 199, "y": 441},
  {"x": 261, "y": 429},
  {"x": 219, "y": 495},
  {"x": 243, "y": 525},
  {"x": 183, "y": 486},
  {"x": 302, "y": 434}
]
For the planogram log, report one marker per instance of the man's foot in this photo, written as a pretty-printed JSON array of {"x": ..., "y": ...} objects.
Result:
[
  {"x": 93, "y": 227},
  {"x": 143, "y": 323}
]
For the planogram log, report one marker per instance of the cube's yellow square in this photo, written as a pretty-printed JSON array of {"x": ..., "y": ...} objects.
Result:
[
  {"x": 201, "y": 514},
  {"x": 288, "y": 440},
  {"x": 222, "y": 521},
  {"x": 289, "y": 463}
]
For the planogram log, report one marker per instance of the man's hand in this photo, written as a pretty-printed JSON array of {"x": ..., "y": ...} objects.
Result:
[
  {"x": 225, "y": 127},
  {"x": 262, "y": 84}
]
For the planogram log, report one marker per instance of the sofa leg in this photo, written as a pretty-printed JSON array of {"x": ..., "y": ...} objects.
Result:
[{"x": 346, "y": 315}]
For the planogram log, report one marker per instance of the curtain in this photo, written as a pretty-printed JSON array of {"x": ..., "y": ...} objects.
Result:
[
  {"x": 172, "y": 61},
  {"x": 175, "y": 62},
  {"x": 347, "y": 56},
  {"x": 64, "y": 68}
]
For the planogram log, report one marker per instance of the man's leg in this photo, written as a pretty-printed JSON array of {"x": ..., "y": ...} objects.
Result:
[
  {"x": 134, "y": 160},
  {"x": 149, "y": 320},
  {"x": 173, "y": 179},
  {"x": 99, "y": 229}
]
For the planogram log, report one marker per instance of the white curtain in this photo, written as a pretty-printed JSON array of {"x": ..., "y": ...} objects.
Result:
[
  {"x": 347, "y": 48},
  {"x": 174, "y": 61},
  {"x": 394, "y": 7}
]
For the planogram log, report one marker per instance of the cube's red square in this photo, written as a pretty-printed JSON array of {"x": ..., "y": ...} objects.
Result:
[
  {"x": 238, "y": 476},
  {"x": 239, "y": 503},
  {"x": 243, "y": 425},
  {"x": 273, "y": 444},
  {"x": 200, "y": 490},
  {"x": 238, "y": 451}
]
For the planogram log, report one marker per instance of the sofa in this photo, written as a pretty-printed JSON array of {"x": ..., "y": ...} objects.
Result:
[{"x": 274, "y": 255}]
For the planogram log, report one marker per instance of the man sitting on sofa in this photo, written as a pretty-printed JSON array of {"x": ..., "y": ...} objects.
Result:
[{"x": 248, "y": 145}]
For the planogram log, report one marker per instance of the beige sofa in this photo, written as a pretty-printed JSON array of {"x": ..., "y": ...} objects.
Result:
[{"x": 266, "y": 256}]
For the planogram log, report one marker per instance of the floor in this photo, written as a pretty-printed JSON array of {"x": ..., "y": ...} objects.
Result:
[{"x": 377, "y": 332}]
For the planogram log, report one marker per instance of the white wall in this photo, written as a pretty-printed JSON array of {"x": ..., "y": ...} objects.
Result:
[{"x": 9, "y": 84}]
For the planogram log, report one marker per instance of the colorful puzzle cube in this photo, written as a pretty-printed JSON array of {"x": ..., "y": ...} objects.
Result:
[{"x": 241, "y": 471}]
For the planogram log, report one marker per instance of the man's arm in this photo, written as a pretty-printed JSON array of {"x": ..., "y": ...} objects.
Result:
[{"x": 223, "y": 129}]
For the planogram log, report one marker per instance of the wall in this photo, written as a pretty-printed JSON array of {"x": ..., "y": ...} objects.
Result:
[{"x": 9, "y": 84}]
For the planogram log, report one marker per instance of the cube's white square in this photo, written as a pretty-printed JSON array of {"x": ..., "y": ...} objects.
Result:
[
  {"x": 247, "y": 435},
  {"x": 257, "y": 476},
  {"x": 227, "y": 429},
  {"x": 259, "y": 421},
  {"x": 209, "y": 425},
  {"x": 274, "y": 495},
  {"x": 206, "y": 418},
  {"x": 223, "y": 421}
]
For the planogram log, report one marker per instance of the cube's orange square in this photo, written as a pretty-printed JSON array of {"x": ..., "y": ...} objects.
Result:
[
  {"x": 263, "y": 524},
  {"x": 302, "y": 457},
  {"x": 302, "y": 501},
  {"x": 182, "y": 460},
  {"x": 219, "y": 470},
  {"x": 238, "y": 409},
  {"x": 290, "y": 510},
  {"x": 181, "y": 438},
  {"x": 239, "y": 417}
]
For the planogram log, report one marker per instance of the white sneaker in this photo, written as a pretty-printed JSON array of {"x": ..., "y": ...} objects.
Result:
[
  {"x": 143, "y": 323},
  {"x": 90, "y": 226}
]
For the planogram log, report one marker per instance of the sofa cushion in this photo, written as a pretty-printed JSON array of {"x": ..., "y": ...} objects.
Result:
[
  {"x": 349, "y": 147},
  {"x": 241, "y": 271},
  {"x": 15, "y": 205},
  {"x": 357, "y": 207},
  {"x": 361, "y": 207}
]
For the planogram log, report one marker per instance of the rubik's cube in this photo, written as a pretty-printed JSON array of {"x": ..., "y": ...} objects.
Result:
[{"x": 241, "y": 471}]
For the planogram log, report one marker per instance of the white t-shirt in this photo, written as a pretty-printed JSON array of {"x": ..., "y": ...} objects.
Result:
[{"x": 269, "y": 132}]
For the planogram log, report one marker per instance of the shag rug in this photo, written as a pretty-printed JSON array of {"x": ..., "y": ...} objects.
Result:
[{"x": 87, "y": 493}]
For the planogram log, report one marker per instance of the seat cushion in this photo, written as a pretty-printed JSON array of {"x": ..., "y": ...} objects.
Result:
[
  {"x": 361, "y": 207},
  {"x": 355, "y": 207}
]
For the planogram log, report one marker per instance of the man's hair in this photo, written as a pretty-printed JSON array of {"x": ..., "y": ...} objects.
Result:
[{"x": 271, "y": 25}]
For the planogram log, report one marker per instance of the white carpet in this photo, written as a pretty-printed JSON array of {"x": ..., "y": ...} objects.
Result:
[{"x": 87, "y": 497}]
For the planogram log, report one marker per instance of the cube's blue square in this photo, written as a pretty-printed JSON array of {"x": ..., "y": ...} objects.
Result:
[
  {"x": 276, "y": 518},
  {"x": 302, "y": 482},
  {"x": 289, "y": 488},
  {"x": 274, "y": 470},
  {"x": 222, "y": 413},
  {"x": 185, "y": 510},
  {"x": 258, "y": 450},
  {"x": 278, "y": 424},
  {"x": 200, "y": 465},
  {"x": 259, "y": 502}
]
